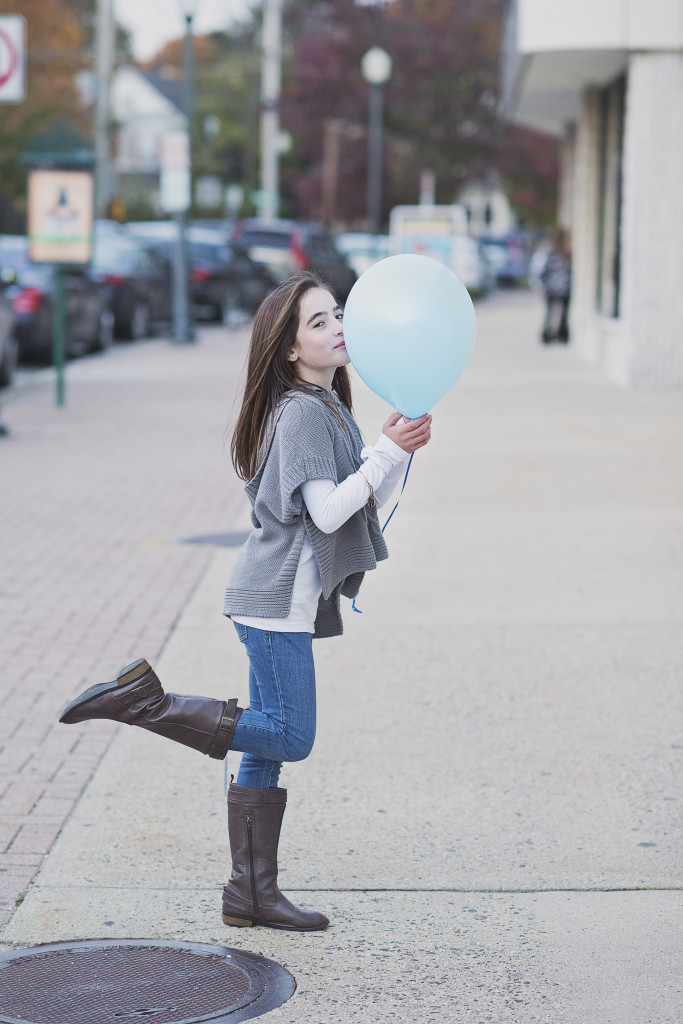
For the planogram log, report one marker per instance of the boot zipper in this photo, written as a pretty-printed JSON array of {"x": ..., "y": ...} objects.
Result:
[{"x": 250, "y": 842}]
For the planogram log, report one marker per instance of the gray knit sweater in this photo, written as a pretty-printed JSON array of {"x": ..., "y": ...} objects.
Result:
[{"x": 309, "y": 443}]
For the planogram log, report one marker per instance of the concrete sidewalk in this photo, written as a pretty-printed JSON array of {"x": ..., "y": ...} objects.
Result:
[
  {"x": 94, "y": 498},
  {"x": 491, "y": 815}
]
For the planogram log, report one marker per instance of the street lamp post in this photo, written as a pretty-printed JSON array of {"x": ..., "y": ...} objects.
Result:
[
  {"x": 376, "y": 68},
  {"x": 104, "y": 49},
  {"x": 271, "y": 73},
  {"x": 182, "y": 322}
]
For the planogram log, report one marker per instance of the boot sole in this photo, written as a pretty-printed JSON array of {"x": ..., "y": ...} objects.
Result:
[
  {"x": 241, "y": 922},
  {"x": 130, "y": 674}
]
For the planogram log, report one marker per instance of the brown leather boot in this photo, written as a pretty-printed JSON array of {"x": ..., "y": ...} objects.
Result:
[
  {"x": 136, "y": 697},
  {"x": 252, "y": 895}
]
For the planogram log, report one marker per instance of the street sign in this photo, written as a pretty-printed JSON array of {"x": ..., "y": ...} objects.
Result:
[
  {"x": 174, "y": 190},
  {"x": 208, "y": 191},
  {"x": 174, "y": 180},
  {"x": 12, "y": 58},
  {"x": 60, "y": 223},
  {"x": 175, "y": 151},
  {"x": 60, "y": 214}
]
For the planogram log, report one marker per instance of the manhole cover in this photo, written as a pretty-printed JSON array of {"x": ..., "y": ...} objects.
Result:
[{"x": 117, "y": 982}]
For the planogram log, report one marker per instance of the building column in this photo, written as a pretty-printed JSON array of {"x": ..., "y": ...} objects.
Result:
[
  {"x": 584, "y": 331},
  {"x": 566, "y": 184},
  {"x": 651, "y": 353}
]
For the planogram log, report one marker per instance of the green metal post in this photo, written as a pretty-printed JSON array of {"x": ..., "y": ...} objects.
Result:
[{"x": 58, "y": 346}]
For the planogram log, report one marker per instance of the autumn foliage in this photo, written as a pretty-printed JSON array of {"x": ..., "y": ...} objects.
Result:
[
  {"x": 440, "y": 110},
  {"x": 55, "y": 50},
  {"x": 440, "y": 105}
]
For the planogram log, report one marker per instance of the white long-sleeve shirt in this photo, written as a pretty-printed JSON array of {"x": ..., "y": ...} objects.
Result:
[{"x": 329, "y": 505}]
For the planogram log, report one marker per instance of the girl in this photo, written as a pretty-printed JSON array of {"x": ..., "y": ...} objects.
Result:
[{"x": 314, "y": 491}]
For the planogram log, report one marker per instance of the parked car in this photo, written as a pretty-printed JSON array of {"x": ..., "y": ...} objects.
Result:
[
  {"x": 470, "y": 263},
  {"x": 139, "y": 283},
  {"x": 8, "y": 338},
  {"x": 285, "y": 246},
  {"x": 361, "y": 249},
  {"x": 222, "y": 280},
  {"x": 508, "y": 256},
  {"x": 30, "y": 287},
  {"x": 152, "y": 231},
  {"x": 222, "y": 224}
]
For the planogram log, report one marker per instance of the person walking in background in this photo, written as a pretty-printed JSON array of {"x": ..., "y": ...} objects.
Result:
[
  {"x": 556, "y": 279},
  {"x": 314, "y": 491}
]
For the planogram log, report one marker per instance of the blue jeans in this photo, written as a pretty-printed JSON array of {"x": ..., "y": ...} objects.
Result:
[{"x": 280, "y": 724}]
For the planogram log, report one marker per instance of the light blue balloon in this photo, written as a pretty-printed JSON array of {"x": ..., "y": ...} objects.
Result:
[{"x": 409, "y": 329}]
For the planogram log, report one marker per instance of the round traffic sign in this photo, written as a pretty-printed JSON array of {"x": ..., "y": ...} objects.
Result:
[{"x": 9, "y": 58}]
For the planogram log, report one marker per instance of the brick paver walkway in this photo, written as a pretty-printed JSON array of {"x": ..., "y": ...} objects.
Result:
[{"x": 94, "y": 497}]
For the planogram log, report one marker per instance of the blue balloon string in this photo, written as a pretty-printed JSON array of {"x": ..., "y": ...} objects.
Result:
[{"x": 405, "y": 478}]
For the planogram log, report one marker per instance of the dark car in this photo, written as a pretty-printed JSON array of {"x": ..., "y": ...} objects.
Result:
[
  {"x": 31, "y": 286},
  {"x": 139, "y": 282},
  {"x": 286, "y": 246},
  {"x": 8, "y": 338},
  {"x": 222, "y": 280},
  {"x": 508, "y": 257}
]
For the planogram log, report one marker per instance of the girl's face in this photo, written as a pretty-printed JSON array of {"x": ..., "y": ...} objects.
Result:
[{"x": 319, "y": 347}]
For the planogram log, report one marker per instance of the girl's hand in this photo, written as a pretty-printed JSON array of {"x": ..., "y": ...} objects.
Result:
[{"x": 408, "y": 434}]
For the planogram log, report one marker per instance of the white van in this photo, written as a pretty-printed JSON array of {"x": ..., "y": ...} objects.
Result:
[{"x": 441, "y": 233}]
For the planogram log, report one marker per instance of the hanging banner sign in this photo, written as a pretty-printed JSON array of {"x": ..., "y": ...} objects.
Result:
[
  {"x": 174, "y": 181},
  {"x": 12, "y": 58},
  {"x": 60, "y": 216}
]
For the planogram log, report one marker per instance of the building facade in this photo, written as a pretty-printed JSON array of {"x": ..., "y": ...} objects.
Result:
[
  {"x": 144, "y": 109},
  {"x": 487, "y": 208},
  {"x": 606, "y": 77}
]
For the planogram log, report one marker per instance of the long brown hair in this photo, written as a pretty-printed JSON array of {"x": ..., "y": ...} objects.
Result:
[{"x": 270, "y": 373}]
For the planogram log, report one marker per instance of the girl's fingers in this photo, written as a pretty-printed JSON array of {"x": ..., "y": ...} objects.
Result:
[
  {"x": 419, "y": 432},
  {"x": 419, "y": 442},
  {"x": 415, "y": 426},
  {"x": 409, "y": 434}
]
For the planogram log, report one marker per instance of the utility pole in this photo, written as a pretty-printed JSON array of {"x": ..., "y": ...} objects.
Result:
[
  {"x": 332, "y": 129},
  {"x": 335, "y": 131},
  {"x": 104, "y": 61},
  {"x": 271, "y": 75},
  {"x": 376, "y": 66},
  {"x": 184, "y": 328}
]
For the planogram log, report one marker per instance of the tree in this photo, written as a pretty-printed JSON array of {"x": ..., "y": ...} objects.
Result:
[
  {"x": 55, "y": 40},
  {"x": 226, "y": 87},
  {"x": 441, "y": 103},
  {"x": 440, "y": 106}
]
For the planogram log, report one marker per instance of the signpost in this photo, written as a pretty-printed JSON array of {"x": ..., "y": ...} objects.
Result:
[
  {"x": 60, "y": 193},
  {"x": 12, "y": 74},
  {"x": 60, "y": 224},
  {"x": 175, "y": 198}
]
